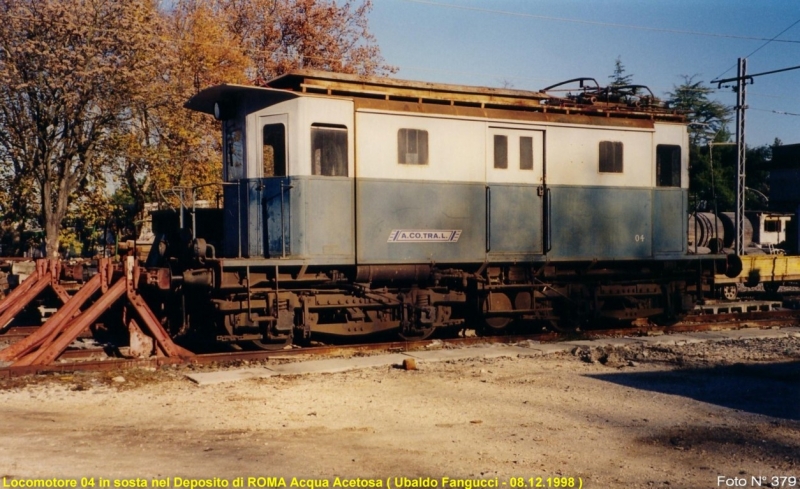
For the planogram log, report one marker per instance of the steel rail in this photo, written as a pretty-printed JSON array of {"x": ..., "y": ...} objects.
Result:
[{"x": 696, "y": 323}]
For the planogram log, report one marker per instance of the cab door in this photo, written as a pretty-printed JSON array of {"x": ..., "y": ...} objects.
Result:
[
  {"x": 274, "y": 187},
  {"x": 515, "y": 193}
]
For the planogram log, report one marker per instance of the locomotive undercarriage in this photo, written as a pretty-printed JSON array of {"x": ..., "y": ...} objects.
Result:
[
  {"x": 272, "y": 307},
  {"x": 272, "y": 318},
  {"x": 570, "y": 298}
]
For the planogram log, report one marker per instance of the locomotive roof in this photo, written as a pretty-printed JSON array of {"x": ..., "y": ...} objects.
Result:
[
  {"x": 312, "y": 82},
  {"x": 204, "y": 100}
]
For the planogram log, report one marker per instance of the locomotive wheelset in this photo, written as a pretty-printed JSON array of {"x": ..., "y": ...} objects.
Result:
[{"x": 359, "y": 205}]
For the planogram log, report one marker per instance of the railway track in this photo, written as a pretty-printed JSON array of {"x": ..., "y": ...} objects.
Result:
[{"x": 97, "y": 358}]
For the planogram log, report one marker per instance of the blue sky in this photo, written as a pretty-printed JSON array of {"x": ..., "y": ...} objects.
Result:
[{"x": 531, "y": 44}]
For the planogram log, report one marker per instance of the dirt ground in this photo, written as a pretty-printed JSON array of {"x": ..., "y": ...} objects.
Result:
[{"x": 633, "y": 417}]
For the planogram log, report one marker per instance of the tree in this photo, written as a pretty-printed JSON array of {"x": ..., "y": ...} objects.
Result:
[
  {"x": 162, "y": 145},
  {"x": 17, "y": 205},
  {"x": 619, "y": 78},
  {"x": 724, "y": 177},
  {"x": 69, "y": 72},
  {"x": 230, "y": 41},
  {"x": 707, "y": 118},
  {"x": 708, "y": 180},
  {"x": 283, "y": 35}
]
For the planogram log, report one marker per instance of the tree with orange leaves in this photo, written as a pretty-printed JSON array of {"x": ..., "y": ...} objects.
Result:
[
  {"x": 232, "y": 41},
  {"x": 68, "y": 70},
  {"x": 93, "y": 87},
  {"x": 283, "y": 35}
]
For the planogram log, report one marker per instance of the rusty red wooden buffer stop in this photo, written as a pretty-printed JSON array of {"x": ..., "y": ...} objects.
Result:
[{"x": 80, "y": 311}]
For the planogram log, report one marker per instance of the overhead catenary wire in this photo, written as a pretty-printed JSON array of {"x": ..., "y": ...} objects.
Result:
[
  {"x": 774, "y": 38},
  {"x": 254, "y": 50},
  {"x": 619, "y": 25},
  {"x": 781, "y": 112},
  {"x": 605, "y": 24}
]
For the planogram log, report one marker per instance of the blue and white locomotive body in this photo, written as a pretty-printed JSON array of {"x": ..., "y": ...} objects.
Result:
[
  {"x": 276, "y": 206},
  {"x": 342, "y": 179}
]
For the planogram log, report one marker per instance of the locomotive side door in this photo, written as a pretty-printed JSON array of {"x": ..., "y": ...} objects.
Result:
[
  {"x": 515, "y": 193},
  {"x": 272, "y": 187}
]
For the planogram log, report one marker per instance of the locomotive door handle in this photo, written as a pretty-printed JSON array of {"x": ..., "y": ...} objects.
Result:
[
  {"x": 488, "y": 219},
  {"x": 548, "y": 224}
]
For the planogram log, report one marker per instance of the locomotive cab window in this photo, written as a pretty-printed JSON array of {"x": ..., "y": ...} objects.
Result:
[
  {"x": 412, "y": 147},
  {"x": 274, "y": 150},
  {"x": 329, "y": 150},
  {"x": 610, "y": 157},
  {"x": 668, "y": 165},
  {"x": 500, "y": 151},
  {"x": 234, "y": 149}
]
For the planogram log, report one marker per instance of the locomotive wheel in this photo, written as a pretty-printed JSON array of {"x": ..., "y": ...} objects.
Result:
[{"x": 496, "y": 301}]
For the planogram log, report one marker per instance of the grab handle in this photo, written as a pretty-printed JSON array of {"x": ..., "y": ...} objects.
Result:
[
  {"x": 549, "y": 233},
  {"x": 488, "y": 219}
]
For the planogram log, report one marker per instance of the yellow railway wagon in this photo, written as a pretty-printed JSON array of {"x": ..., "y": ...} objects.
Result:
[{"x": 767, "y": 269}]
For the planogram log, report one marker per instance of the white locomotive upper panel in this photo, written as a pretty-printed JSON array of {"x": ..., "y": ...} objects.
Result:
[{"x": 410, "y": 134}]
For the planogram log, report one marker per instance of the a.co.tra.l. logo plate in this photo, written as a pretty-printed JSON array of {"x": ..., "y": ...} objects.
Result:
[{"x": 424, "y": 235}]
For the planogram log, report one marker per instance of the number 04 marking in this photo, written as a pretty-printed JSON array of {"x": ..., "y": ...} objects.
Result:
[{"x": 639, "y": 238}]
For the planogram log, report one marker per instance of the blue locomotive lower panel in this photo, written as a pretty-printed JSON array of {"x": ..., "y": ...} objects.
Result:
[
  {"x": 589, "y": 223},
  {"x": 670, "y": 221},
  {"x": 405, "y": 221},
  {"x": 585, "y": 223},
  {"x": 323, "y": 222},
  {"x": 617, "y": 223},
  {"x": 299, "y": 217}
]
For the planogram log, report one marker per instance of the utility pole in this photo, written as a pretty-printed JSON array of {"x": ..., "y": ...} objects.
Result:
[
  {"x": 741, "y": 82},
  {"x": 740, "y": 154}
]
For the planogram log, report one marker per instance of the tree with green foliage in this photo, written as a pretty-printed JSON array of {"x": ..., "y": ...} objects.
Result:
[
  {"x": 711, "y": 176},
  {"x": 619, "y": 78},
  {"x": 707, "y": 118},
  {"x": 723, "y": 161},
  {"x": 712, "y": 157}
]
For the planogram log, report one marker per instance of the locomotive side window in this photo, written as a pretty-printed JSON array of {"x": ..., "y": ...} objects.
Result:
[
  {"x": 525, "y": 153},
  {"x": 610, "y": 157},
  {"x": 329, "y": 150},
  {"x": 274, "y": 150},
  {"x": 412, "y": 147},
  {"x": 668, "y": 165},
  {"x": 234, "y": 149},
  {"x": 500, "y": 151}
]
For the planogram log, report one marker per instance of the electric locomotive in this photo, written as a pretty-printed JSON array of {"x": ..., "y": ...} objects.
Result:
[{"x": 362, "y": 205}]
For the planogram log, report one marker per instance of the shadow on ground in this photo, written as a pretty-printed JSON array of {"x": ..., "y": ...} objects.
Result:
[{"x": 771, "y": 389}]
